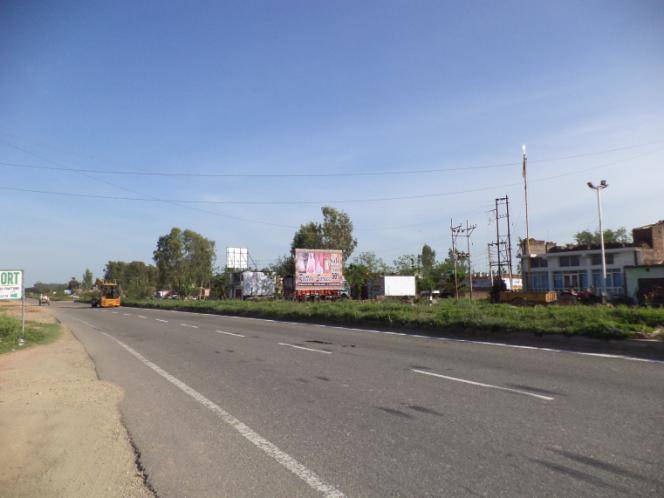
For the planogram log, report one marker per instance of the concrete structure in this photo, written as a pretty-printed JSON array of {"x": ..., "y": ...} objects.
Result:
[
  {"x": 578, "y": 267},
  {"x": 645, "y": 284}
]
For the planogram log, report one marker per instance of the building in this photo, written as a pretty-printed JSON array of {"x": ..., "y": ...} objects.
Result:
[
  {"x": 644, "y": 284},
  {"x": 558, "y": 268}
]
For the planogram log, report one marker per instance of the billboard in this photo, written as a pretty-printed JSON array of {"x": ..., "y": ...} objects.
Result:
[
  {"x": 237, "y": 258},
  {"x": 11, "y": 284},
  {"x": 318, "y": 269}
]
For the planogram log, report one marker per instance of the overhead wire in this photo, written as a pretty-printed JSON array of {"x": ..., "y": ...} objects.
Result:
[{"x": 190, "y": 174}]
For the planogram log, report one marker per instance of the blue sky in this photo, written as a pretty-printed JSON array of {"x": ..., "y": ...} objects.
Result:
[{"x": 319, "y": 87}]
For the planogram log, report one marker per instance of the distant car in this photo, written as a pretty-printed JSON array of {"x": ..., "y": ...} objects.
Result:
[{"x": 44, "y": 300}]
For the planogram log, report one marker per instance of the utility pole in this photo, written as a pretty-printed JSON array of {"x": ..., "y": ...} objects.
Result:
[
  {"x": 455, "y": 233},
  {"x": 602, "y": 185},
  {"x": 468, "y": 231},
  {"x": 488, "y": 250},
  {"x": 525, "y": 274},
  {"x": 509, "y": 243}
]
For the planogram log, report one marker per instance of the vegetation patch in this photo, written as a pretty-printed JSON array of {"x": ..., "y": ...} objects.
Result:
[
  {"x": 35, "y": 333},
  {"x": 618, "y": 322}
]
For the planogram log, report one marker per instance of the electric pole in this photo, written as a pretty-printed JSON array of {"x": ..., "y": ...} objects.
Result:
[
  {"x": 467, "y": 231},
  {"x": 525, "y": 274},
  {"x": 455, "y": 230}
]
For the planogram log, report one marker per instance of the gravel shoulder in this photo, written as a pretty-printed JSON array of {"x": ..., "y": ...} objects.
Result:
[{"x": 61, "y": 432}]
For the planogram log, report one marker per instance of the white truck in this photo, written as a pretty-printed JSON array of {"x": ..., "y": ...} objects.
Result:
[{"x": 401, "y": 286}]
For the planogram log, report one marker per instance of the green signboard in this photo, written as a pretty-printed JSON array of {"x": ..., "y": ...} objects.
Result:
[{"x": 11, "y": 284}]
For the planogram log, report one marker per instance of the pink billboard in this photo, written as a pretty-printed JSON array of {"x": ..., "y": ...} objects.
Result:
[{"x": 318, "y": 269}]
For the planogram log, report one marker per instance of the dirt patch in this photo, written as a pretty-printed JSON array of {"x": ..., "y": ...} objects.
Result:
[{"x": 61, "y": 433}]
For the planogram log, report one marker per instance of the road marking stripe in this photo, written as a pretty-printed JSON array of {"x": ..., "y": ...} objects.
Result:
[
  {"x": 302, "y": 347},
  {"x": 229, "y": 333},
  {"x": 114, "y": 312},
  {"x": 126, "y": 314},
  {"x": 143, "y": 317},
  {"x": 190, "y": 326},
  {"x": 482, "y": 384},
  {"x": 160, "y": 320},
  {"x": 446, "y": 339},
  {"x": 283, "y": 458}
]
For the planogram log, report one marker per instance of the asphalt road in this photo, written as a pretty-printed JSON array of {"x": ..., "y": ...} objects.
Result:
[{"x": 225, "y": 406}]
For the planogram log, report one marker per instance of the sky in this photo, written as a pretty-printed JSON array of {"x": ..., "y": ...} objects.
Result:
[{"x": 345, "y": 88}]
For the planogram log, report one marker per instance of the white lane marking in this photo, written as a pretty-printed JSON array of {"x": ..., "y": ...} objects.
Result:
[
  {"x": 114, "y": 312},
  {"x": 302, "y": 347},
  {"x": 160, "y": 320},
  {"x": 126, "y": 314},
  {"x": 187, "y": 325},
  {"x": 143, "y": 317},
  {"x": 283, "y": 458},
  {"x": 482, "y": 384},
  {"x": 446, "y": 339},
  {"x": 229, "y": 333}
]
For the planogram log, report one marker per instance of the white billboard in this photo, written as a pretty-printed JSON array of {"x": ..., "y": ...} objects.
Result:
[
  {"x": 400, "y": 286},
  {"x": 237, "y": 258},
  {"x": 11, "y": 284}
]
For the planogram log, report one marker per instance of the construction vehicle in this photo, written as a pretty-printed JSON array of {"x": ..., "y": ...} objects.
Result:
[
  {"x": 107, "y": 294},
  {"x": 500, "y": 294}
]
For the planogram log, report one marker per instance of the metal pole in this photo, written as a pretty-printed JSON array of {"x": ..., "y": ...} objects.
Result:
[
  {"x": 509, "y": 243},
  {"x": 456, "y": 282},
  {"x": 22, "y": 305},
  {"x": 526, "y": 274},
  {"x": 500, "y": 270},
  {"x": 469, "y": 230},
  {"x": 488, "y": 250},
  {"x": 601, "y": 239}
]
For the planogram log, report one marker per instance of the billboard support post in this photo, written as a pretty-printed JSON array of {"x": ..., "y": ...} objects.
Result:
[{"x": 22, "y": 305}]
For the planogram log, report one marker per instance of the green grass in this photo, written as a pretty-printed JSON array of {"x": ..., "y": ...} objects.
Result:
[
  {"x": 35, "y": 333},
  {"x": 446, "y": 316}
]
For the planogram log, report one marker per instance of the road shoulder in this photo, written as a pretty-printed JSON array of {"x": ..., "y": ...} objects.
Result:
[{"x": 61, "y": 431}]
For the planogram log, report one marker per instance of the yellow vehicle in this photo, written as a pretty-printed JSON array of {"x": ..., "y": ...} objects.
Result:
[
  {"x": 108, "y": 294},
  {"x": 528, "y": 297}
]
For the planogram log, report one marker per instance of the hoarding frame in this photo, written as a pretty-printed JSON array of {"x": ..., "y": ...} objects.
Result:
[
  {"x": 237, "y": 258},
  {"x": 22, "y": 300},
  {"x": 336, "y": 284}
]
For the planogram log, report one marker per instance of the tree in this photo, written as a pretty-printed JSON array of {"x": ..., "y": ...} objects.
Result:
[
  {"x": 284, "y": 266},
  {"x": 87, "y": 279},
  {"x": 588, "y": 238},
  {"x": 73, "y": 284},
  {"x": 428, "y": 279},
  {"x": 336, "y": 232},
  {"x": 308, "y": 236},
  {"x": 407, "y": 264},
  {"x": 136, "y": 279},
  {"x": 184, "y": 260},
  {"x": 372, "y": 263}
]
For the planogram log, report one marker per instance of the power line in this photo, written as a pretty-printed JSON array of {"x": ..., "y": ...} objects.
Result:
[
  {"x": 66, "y": 168},
  {"x": 324, "y": 201}
]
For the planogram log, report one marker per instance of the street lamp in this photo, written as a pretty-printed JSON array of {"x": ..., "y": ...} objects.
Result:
[{"x": 602, "y": 185}]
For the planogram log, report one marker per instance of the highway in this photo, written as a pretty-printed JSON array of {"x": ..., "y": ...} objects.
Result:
[{"x": 229, "y": 406}]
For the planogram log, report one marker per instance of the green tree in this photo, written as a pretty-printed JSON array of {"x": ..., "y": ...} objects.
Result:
[
  {"x": 407, "y": 264},
  {"x": 87, "y": 279},
  {"x": 336, "y": 232},
  {"x": 73, "y": 284},
  {"x": 588, "y": 238},
  {"x": 184, "y": 260}
]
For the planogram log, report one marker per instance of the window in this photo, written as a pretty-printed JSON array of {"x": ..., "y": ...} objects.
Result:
[
  {"x": 538, "y": 263},
  {"x": 597, "y": 259},
  {"x": 614, "y": 280},
  {"x": 569, "y": 261},
  {"x": 540, "y": 281},
  {"x": 563, "y": 280}
]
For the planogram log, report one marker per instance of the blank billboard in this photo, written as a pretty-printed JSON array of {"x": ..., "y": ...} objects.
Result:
[{"x": 237, "y": 258}]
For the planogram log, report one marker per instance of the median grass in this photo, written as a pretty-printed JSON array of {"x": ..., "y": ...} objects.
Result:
[
  {"x": 35, "y": 333},
  {"x": 443, "y": 317}
]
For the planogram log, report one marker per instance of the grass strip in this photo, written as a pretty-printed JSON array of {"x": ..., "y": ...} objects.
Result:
[
  {"x": 35, "y": 333},
  {"x": 620, "y": 322}
]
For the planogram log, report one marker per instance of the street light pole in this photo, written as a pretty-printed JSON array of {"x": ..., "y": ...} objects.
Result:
[{"x": 602, "y": 185}]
